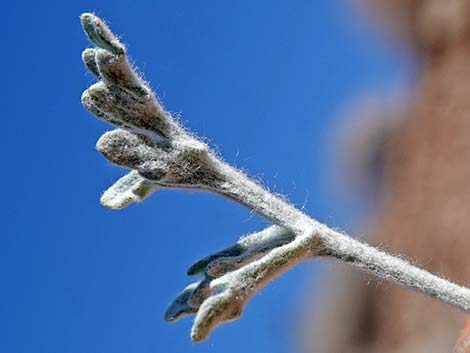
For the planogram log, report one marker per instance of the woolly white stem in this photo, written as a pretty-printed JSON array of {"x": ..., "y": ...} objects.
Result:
[
  {"x": 335, "y": 244},
  {"x": 239, "y": 187},
  {"x": 392, "y": 268},
  {"x": 311, "y": 239}
]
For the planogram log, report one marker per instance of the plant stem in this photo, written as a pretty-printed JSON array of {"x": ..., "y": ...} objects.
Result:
[{"x": 321, "y": 240}]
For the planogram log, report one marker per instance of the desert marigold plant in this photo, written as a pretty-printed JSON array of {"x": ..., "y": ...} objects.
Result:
[{"x": 162, "y": 154}]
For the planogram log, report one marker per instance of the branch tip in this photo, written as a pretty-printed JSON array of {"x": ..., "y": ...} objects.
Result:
[
  {"x": 100, "y": 35},
  {"x": 88, "y": 58},
  {"x": 180, "y": 306},
  {"x": 129, "y": 189}
]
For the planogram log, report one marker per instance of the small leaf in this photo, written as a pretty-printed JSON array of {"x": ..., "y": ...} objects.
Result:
[
  {"x": 200, "y": 266},
  {"x": 215, "y": 311},
  {"x": 100, "y": 35},
  {"x": 130, "y": 188},
  {"x": 180, "y": 306},
  {"x": 88, "y": 58},
  {"x": 116, "y": 70}
]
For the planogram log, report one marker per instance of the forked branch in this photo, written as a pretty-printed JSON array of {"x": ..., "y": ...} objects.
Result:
[{"x": 162, "y": 154}]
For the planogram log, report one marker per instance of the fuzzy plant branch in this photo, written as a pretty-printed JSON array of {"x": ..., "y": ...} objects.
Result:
[{"x": 161, "y": 154}]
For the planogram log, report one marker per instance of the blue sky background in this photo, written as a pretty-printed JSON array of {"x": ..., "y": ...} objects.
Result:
[{"x": 263, "y": 80}]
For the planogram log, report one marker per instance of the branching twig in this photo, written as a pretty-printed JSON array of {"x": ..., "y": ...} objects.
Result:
[{"x": 161, "y": 153}]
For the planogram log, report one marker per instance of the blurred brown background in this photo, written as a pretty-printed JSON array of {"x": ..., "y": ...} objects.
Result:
[{"x": 421, "y": 155}]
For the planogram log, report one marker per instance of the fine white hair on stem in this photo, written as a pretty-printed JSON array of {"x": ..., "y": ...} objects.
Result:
[{"x": 162, "y": 154}]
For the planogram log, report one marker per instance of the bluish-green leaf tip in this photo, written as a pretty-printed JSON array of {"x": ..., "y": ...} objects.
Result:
[
  {"x": 201, "y": 266},
  {"x": 180, "y": 306},
  {"x": 100, "y": 35},
  {"x": 197, "y": 268}
]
